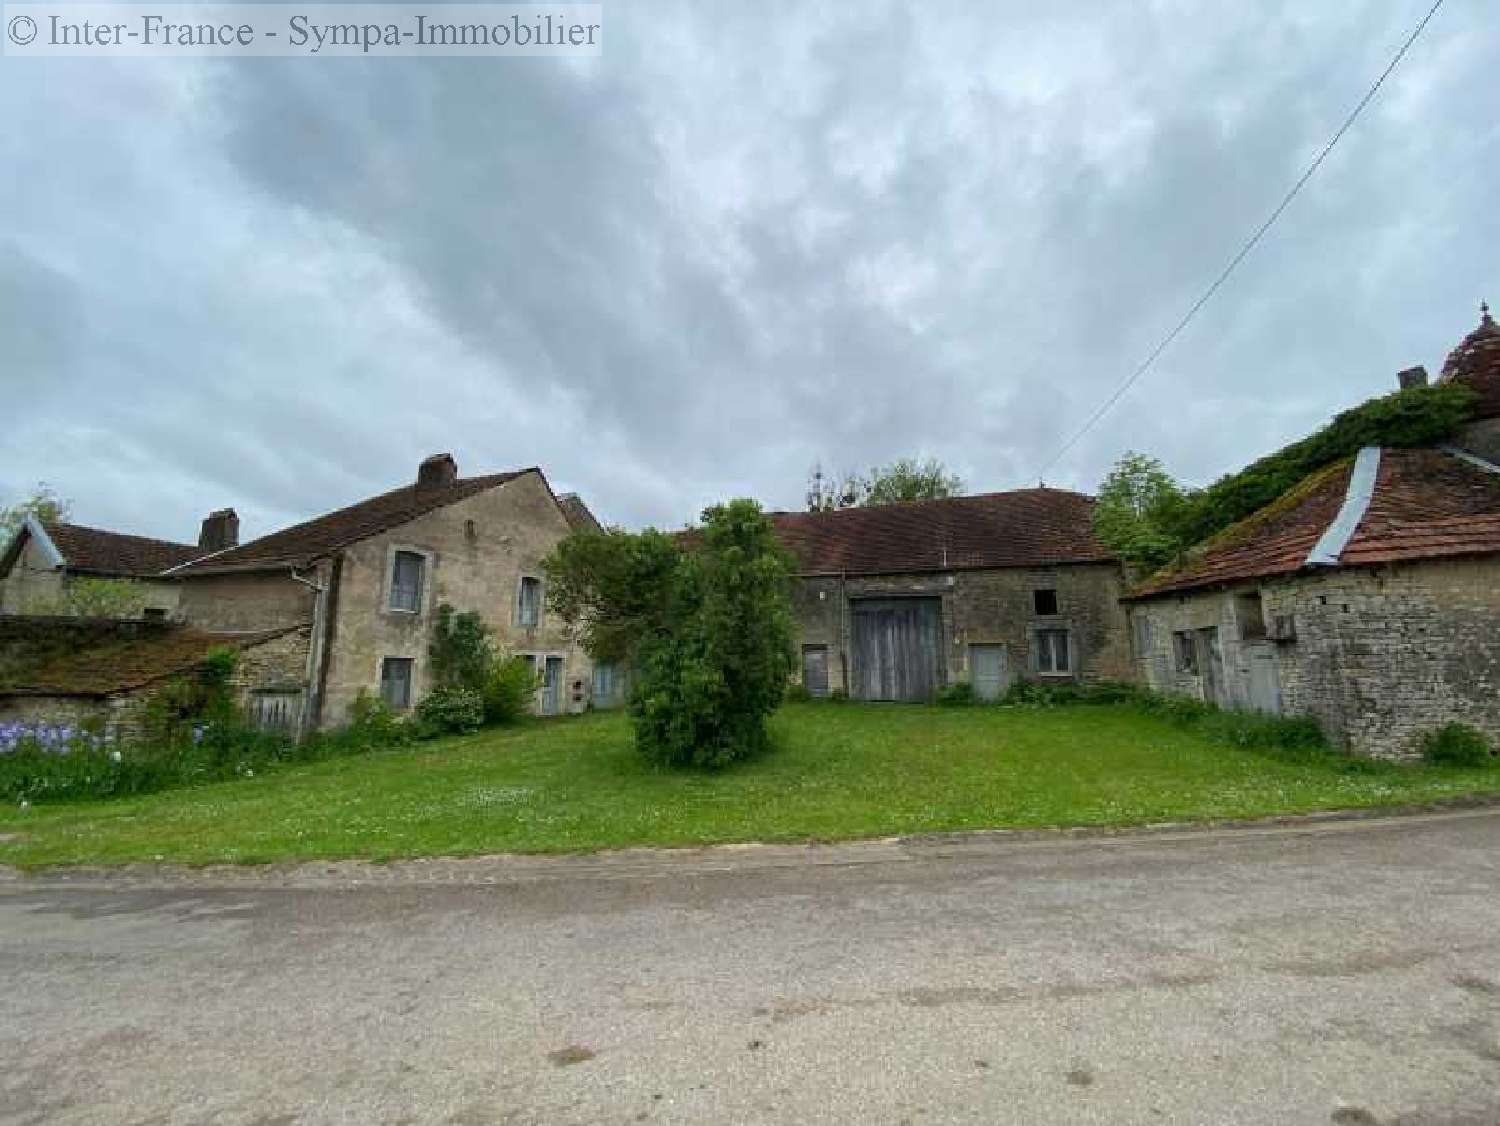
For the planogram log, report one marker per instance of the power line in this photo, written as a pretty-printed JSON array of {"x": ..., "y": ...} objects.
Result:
[{"x": 1250, "y": 245}]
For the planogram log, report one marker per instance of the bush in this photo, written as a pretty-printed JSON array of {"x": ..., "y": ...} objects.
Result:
[
  {"x": 1030, "y": 693},
  {"x": 509, "y": 690},
  {"x": 706, "y": 684},
  {"x": 451, "y": 711},
  {"x": 1457, "y": 744},
  {"x": 958, "y": 694},
  {"x": 797, "y": 694}
]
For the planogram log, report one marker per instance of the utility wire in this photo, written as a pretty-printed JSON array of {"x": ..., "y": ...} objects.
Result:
[{"x": 1250, "y": 245}]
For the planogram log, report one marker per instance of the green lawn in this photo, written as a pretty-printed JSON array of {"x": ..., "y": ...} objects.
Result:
[{"x": 840, "y": 771}]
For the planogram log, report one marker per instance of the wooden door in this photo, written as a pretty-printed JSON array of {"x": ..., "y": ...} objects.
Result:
[
  {"x": 897, "y": 648},
  {"x": 815, "y": 669},
  {"x": 989, "y": 671},
  {"x": 552, "y": 686}
]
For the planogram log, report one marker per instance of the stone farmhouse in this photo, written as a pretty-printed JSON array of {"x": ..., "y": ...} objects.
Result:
[
  {"x": 1368, "y": 596},
  {"x": 895, "y": 602},
  {"x": 330, "y": 608}
]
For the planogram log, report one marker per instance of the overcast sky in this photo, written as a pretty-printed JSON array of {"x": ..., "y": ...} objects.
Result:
[{"x": 749, "y": 237}]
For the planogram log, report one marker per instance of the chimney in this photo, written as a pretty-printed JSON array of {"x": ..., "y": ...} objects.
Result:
[
  {"x": 1413, "y": 377},
  {"x": 220, "y": 530},
  {"x": 437, "y": 471}
]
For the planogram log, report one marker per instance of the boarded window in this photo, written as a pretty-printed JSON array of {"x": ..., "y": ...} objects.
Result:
[
  {"x": 815, "y": 669},
  {"x": 276, "y": 711},
  {"x": 395, "y": 681},
  {"x": 406, "y": 581},
  {"x": 1251, "y": 614},
  {"x": 529, "y": 602},
  {"x": 1186, "y": 649},
  {"x": 1053, "y": 652},
  {"x": 1044, "y": 602}
]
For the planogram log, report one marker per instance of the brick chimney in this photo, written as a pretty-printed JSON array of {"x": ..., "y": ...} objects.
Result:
[
  {"x": 1412, "y": 377},
  {"x": 437, "y": 471},
  {"x": 220, "y": 530}
]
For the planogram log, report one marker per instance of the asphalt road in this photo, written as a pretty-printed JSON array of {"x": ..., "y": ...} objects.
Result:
[{"x": 1334, "y": 973}]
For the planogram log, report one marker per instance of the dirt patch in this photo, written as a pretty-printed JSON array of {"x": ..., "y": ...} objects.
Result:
[{"x": 573, "y": 1053}]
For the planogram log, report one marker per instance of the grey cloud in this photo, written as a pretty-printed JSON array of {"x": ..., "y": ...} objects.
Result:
[{"x": 746, "y": 239}]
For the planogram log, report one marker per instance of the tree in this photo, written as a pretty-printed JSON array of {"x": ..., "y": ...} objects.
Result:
[
  {"x": 43, "y": 503},
  {"x": 615, "y": 587},
  {"x": 706, "y": 620},
  {"x": 1139, "y": 512},
  {"x": 903, "y": 479},
  {"x": 909, "y": 479}
]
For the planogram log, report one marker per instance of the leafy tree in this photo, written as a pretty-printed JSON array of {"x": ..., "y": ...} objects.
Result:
[
  {"x": 43, "y": 503},
  {"x": 909, "y": 479},
  {"x": 615, "y": 587},
  {"x": 705, "y": 619},
  {"x": 1139, "y": 512},
  {"x": 706, "y": 687},
  {"x": 903, "y": 479},
  {"x": 471, "y": 678}
]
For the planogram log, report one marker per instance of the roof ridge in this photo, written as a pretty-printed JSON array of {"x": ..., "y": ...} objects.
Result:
[{"x": 914, "y": 502}]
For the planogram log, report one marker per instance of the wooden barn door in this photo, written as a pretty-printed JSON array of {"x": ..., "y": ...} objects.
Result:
[{"x": 897, "y": 648}]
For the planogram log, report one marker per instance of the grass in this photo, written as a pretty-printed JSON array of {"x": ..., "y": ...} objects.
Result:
[{"x": 840, "y": 771}]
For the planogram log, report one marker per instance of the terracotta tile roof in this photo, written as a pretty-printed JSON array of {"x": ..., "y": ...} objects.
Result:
[
  {"x": 319, "y": 537},
  {"x": 126, "y": 663},
  {"x": 579, "y": 518},
  {"x": 98, "y": 552},
  {"x": 1427, "y": 504},
  {"x": 1022, "y": 528}
]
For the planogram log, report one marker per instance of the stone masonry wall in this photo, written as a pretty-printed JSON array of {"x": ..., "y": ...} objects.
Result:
[
  {"x": 992, "y": 607},
  {"x": 1380, "y": 656},
  {"x": 476, "y": 552}
]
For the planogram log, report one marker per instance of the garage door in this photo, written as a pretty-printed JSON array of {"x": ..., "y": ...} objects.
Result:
[{"x": 897, "y": 648}]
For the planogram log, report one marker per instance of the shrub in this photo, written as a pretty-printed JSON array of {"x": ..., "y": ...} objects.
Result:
[
  {"x": 451, "y": 711},
  {"x": 374, "y": 722},
  {"x": 461, "y": 650},
  {"x": 509, "y": 690},
  {"x": 958, "y": 694},
  {"x": 1456, "y": 744},
  {"x": 797, "y": 693},
  {"x": 707, "y": 684},
  {"x": 838, "y": 695}
]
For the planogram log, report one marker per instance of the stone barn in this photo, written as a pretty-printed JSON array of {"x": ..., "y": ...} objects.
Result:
[{"x": 898, "y": 601}]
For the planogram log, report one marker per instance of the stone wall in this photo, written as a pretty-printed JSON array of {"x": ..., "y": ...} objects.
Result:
[
  {"x": 248, "y": 602},
  {"x": 991, "y": 607},
  {"x": 476, "y": 552},
  {"x": 1378, "y": 656},
  {"x": 34, "y": 587}
]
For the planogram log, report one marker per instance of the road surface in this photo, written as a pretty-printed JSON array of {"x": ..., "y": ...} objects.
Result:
[{"x": 1333, "y": 972}]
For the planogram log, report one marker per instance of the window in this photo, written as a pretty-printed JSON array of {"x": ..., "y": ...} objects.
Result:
[
  {"x": 154, "y": 614},
  {"x": 1053, "y": 655},
  {"x": 1143, "y": 636},
  {"x": 529, "y": 602},
  {"x": 406, "y": 581},
  {"x": 395, "y": 682},
  {"x": 276, "y": 711},
  {"x": 1044, "y": 602},
  {"x": 1187, "y": 651},
  {"x": 1251, "y": 614}
]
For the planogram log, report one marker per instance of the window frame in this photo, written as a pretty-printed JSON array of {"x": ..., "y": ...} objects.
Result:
[
  {"x": 1038, "y": 647},
  {"x": 1040, "y": 592},
  {"x": 393, "y": 557},
  {"x": 411, "y": 680},
  {"x": 521, "y": 587}
]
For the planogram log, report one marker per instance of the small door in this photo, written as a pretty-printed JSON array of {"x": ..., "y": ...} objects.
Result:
[
  {"x": 989, "y": 671},
  {"x": 1211, "y": 667},
  {"x": 552, "y": 686},
  {"x": 815, "y": 669}
]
